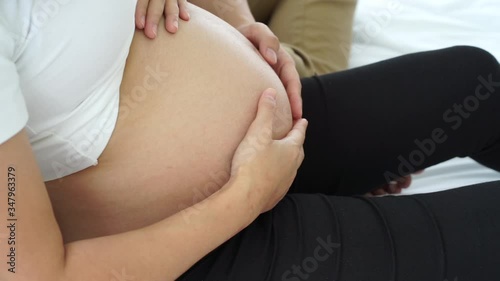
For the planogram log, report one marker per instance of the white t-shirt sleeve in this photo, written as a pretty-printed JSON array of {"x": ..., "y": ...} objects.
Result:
[{"x": 13, "y": 112}]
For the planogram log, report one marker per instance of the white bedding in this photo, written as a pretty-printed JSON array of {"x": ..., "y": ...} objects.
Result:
[{"x": 387, "y": 28}]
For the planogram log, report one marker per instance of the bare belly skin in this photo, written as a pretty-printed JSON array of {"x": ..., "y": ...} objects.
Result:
[{"x": 186, "y": 102}]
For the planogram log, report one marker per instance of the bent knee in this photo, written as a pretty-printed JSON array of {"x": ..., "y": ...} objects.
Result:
[{"x": 478, "y": 58}]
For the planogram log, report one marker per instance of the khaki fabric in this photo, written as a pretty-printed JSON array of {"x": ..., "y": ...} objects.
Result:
[{"x": 317, "y": 33}]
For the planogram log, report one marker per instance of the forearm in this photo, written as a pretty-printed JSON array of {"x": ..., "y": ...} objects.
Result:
[
  {"x": 234, "y": 12},
  {"x": 162, "y": 251},
  {"x": 167, "y": 249}
]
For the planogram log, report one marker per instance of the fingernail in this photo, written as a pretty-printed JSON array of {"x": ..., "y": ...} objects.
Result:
[
  {"x": 176, "y": 24},
  {"x": 143, "y": 21},
  {"x": 271, "y": 54},
  {"x": 155, "y": 29},
  {"x": 271, "y": 95}
]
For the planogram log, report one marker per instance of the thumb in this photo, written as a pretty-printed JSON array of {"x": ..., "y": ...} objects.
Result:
[{"x": 263, "y": 122}]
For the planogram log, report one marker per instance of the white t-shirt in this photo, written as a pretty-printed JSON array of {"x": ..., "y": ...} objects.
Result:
[{"x": 61, "y": 66}]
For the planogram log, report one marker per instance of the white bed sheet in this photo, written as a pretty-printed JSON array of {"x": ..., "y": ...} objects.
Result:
[{"x": 388, "y": 28}]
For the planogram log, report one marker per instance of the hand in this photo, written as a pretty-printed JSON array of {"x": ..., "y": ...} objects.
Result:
[
  {"x": 149, "y": 12},
  {"x": 268, "y": 166},
  {"x": 394, "y": 187},
  {"x": 269, "y": 46}
]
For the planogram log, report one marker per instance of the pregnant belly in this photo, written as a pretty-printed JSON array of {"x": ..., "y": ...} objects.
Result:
[{"x": 186, "y": 102}]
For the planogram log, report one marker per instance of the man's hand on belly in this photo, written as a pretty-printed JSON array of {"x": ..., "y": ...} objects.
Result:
[
  {"x": 238, "y": 14},
  {"x": 269, "y": 47}
]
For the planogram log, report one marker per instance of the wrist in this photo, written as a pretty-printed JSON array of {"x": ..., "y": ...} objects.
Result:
[
  {"x": 240, "y": 21},
  {"x": 240, "y": 189}
]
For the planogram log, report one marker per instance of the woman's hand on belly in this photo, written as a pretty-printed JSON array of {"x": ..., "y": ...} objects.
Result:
[{"x": 268, "y": 166}]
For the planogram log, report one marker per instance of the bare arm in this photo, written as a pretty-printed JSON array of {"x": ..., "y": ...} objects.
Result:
[
  {"x": 162, "y": 251},
  {"x": 234, "y": 12},
  {"x": 165, "y": 250}
]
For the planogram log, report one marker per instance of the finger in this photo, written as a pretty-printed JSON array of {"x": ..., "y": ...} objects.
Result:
[
  {"x": 389, "y": 187},
  {"x": 396, "y": 190},
  {"x": 155, "y": 12},
  {"x": 269, "y": 46},
  {"x": 393, "y": 188},
  {"x": 301, "y": 156},
  {"x": 291, "y": 80},
  {"x": 172, "y": 16},
  {"x": 379, "y": 192},
  {"x": 263, "y": 123},
  {"x": 183, "y": 10},
  {"x": 298, "y": 132},
  {"x": 401, "y": 182},
  {"x": 269, "y": 50},
  {"x": 404, "y": 182},
  {"x": 140, "y": 13},
  {"x": 263, "y": 38}
]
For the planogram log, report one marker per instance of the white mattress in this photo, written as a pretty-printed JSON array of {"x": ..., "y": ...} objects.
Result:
[{"x": 388, "y": 28}]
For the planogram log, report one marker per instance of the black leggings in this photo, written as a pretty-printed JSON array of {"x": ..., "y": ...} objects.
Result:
[{"x": 368, "y": 126}]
